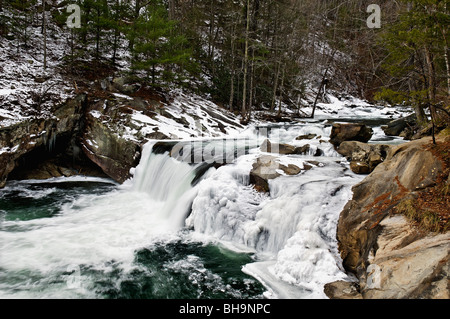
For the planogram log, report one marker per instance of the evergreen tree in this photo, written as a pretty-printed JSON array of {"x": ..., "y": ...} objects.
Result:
[
  {"x": 158, "y": 48},
  {"x": 416, "y": 46}
]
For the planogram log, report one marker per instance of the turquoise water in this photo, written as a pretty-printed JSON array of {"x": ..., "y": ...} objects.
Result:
[{"x": 40, "y": 260}]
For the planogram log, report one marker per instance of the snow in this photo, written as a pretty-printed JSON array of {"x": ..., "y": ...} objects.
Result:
[
  {"x": 96, "y": 114},
  {"x": 6, "y": 91},
  {"x": 122, "y": 96},
  {"x": 292, "y": 230},
  {"x": 23, "y": 77}
]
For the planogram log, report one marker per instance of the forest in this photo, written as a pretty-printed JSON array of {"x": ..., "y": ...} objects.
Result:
[
  {"x": 224, "y": 149},
  {"x": 254, "y": 54}
]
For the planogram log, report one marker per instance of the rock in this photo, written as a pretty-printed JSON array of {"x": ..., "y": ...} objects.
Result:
[
  {"x": 350, "y": 132},
  {"x": 306, "y": 137},
  {"x": 40, "y": 79},
  {"x": 364, "y": 157},
  {"x": 396, "y": 127},
  {"x": 266, "y": 168},
  {"x": 44, "y": 170},
  {"x": 114, "y": 154},
  {"x": 407, "y": 264},
  {"x": 303, "y": 150},
  {"x": 124, "y": 86},
  {"x": 22, "y": 138},
  {"x": 359, "y": 167},
  {"x": 291, "y": 169},
  {"x": 383, "y": 251},
  {"x": 342, "y": 290},
  {"x": 284, "y": 149},
  {"x": 315, "y": 163},
  {"x": 157, "y": 136}
]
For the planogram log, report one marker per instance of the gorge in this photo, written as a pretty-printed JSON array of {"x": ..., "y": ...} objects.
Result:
[{"x": 178, "y": 218}]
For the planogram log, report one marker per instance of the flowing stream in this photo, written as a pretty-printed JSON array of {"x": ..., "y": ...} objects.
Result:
[{"x": 180, "y": 228}]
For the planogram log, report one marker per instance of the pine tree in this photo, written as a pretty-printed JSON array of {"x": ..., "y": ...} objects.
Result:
[
  {"x": 158, "y": 47},
  {"x": 416, "y": 46}
]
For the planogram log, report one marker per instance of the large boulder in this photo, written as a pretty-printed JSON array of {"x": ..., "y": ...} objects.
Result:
[
  {"x": 363, "y": 157},
  {"x": 341, "y": 132},
  {"x": 287, "y": 149},
  {"x": 396, "y": 127},
  {"x": 107, "y": 147},
  {"x": 21, "y": 138},
  {"x": 279, "y": 148},
  {"x": 407, "y": 263},
  {"x": 267, "y": 167},
  {"x": 390, "y": 258}
]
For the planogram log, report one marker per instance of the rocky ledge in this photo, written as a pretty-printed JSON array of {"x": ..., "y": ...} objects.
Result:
[{"x": 393, "y": 235}]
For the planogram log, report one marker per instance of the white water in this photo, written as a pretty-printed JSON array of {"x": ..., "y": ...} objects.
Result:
[
  {"x": 97, "y": 231},
  {"x": 292, "y": 231}
]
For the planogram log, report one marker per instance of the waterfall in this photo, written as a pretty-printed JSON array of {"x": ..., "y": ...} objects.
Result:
[{"x": 167, "y": 181}]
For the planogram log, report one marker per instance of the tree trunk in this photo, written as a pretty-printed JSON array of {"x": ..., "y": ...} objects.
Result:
[
  {"x": 431, "y": 83},
  {"x": 446, "y": 59},
  {"x": 97, "y": 36},
  {"x": 232, "y": 71},
  {"x": 250, "y": 99},
  {"x": 281, "y": 90},
  {"x": 116, "y": 31},
  {"x": 44, "y": 31},
  {"x": 172, "y": 7},
  {"x": 447, "y": 65},
  {"x": 275, "y": 88},
  {"x": 244, "y": 84}
]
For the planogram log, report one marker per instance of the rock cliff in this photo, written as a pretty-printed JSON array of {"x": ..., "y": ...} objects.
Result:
[
  {"x": 379, "y": 241},
  {"x": 33, "y": 132}
]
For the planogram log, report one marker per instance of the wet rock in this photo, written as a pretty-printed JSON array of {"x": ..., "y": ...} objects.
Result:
[
  {"x": 285, "y": 149},
  {"x": 350, "y": 132},
  {"x": 359, "y": 167},
  {"x": 303, "y": 150}
]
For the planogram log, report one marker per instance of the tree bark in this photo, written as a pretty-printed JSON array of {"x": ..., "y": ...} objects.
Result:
[
  {"x": 232, "y": 68},
  {"x": 280, "y": 98},
  {"x": 431, "y": 83},
  {"x": 244, "y": 84},
  {"x": 44, "y": 31},
  {"x": 252, "y": 74}
]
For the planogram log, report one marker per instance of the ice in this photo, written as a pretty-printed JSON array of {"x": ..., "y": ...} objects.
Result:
[{"x": 292, "y": 230}]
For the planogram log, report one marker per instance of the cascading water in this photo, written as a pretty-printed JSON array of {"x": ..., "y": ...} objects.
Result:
[
  {"x": 293, "y": 228},
  {"x": 134, "y": 241},
  {"x": 96, "y": 239}
]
